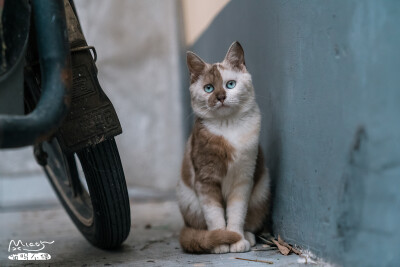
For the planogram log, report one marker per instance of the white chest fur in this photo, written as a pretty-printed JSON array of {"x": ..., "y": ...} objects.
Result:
[{"x": 243, "y": 135}]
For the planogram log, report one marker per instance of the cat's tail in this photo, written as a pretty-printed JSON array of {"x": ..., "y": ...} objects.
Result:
[{"x": 203, "y": 241}]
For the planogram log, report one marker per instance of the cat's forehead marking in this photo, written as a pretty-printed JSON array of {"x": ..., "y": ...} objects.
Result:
[{"x": 213, "y": 76}]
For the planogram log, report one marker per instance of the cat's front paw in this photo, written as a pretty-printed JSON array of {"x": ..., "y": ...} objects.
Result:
[
  {"x": 249, "y": 236},
  {"x": 240, "y": 246},
  {"x": 220, "y": 249}
]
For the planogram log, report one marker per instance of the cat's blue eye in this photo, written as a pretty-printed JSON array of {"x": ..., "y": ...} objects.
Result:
[
  {"x": 230, "y": 84},
  {"x": 209, "y": 88}
]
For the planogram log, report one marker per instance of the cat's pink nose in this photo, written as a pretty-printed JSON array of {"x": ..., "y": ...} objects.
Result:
[{"x": 221, "y": 98}]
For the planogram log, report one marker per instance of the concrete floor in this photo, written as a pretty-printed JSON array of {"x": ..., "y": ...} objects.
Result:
[{"x": 153, "y": 240}]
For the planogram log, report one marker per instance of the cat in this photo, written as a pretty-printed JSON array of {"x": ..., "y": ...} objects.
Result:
[{"x": 224, "y": 190}]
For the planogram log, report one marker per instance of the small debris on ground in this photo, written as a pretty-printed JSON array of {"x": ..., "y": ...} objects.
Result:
[
  {"x": 283, "y": 243},
  {"x": 150, "y": 242},
  {"x": 283, "y": 247},
  {"x": 147, "y": 226},
  {"x": 269, "y": 262}
]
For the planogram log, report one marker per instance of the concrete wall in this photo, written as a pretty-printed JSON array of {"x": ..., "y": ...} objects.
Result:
[
  {"x": 138, "y": 46},
  {"x": 327, "y": 80}
]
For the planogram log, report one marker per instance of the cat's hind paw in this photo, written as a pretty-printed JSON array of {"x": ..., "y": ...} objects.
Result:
[
  {"x": 240, "y": 246},
  {"x": 249, "y": 236},
  {"x": 220, "y": 249}
]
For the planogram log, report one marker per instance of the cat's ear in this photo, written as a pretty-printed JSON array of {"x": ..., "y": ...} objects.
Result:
[
  {"x": 235, "y": 56},
  {"x": 195, "y": 64}
]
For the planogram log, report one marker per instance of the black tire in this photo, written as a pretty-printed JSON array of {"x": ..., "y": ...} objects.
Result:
[{"x": 101, "y": 213}]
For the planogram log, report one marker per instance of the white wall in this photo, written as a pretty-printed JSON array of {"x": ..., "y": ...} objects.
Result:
[{"x": 137, "y": 46}]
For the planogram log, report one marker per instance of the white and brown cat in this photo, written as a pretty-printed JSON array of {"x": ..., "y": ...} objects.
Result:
[{"x": 224, "y": 189}]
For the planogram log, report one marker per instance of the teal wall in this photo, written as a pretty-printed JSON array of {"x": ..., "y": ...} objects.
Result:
[{"x": 327, "y": 79}]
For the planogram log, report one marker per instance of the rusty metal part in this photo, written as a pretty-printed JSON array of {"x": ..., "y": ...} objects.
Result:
[{"x": 92, "y": 117}]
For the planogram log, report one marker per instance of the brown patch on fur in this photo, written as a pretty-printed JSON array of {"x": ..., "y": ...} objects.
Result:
[
  {"x": 213, "y": 191},
  {"x": 260, "y": 168},
  {"x": 213, "y": 76},
  {"x": 257, "y": 215},
  {"x": 202, "y": 241},
  {"x": 210, "y": 156},
  {"x": 187, "y": 166},
  {"x": 258, "y": 212}
]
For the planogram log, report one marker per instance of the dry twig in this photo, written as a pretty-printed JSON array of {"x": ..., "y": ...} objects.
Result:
[
  {"x": 284, "y": 248},
  {"x": 283, "y": 243},
  {"x": 266, "y": 240},
  {"x": 269, "y": 262}
]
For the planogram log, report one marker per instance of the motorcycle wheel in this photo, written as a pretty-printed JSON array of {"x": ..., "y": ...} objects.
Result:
[{"x": 100, "y": 207}]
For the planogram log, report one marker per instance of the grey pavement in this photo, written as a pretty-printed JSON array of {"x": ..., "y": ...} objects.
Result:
[{"x": 153, "y": 240}]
